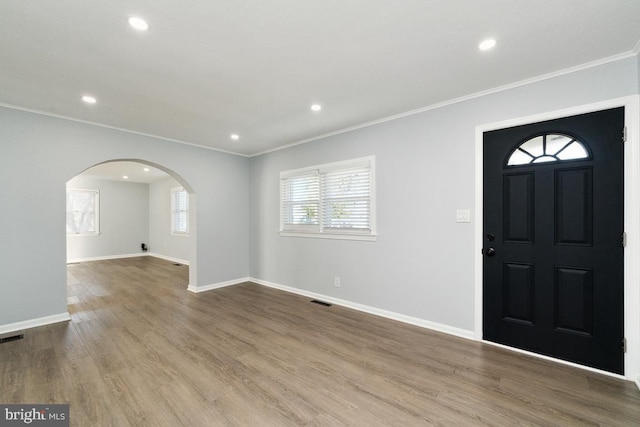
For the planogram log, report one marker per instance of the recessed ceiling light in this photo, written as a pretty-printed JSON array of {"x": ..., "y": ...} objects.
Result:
[
  {"x": 138, "y": 23},
  {"x": 487, "y": 44},
  {"x": 89, "y": 99},
  {"x": 316, "y": 107},
  {"x": 146, "y": 169},
  {"x": 235, "y": 136},
  {"x": 125, "y": 177}
]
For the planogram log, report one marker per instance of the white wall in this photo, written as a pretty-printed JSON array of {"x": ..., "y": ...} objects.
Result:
[
  {"x": 161, "y": 241},
  {"x": 39, "y": 154},
  {"x": 422, "y": 264},
  {"x": 124, "y": 218}
]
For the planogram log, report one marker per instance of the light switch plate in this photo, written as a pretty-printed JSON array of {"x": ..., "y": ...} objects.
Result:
[{"x": 463, "y": 215}]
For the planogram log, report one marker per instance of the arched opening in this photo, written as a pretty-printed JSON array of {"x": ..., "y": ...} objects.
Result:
[{"x": 125, "y": 208}]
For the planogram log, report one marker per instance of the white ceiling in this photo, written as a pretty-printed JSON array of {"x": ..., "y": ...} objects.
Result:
[
  {"x": 134, "y": 172},
  {"x": 209, "y": 68}
]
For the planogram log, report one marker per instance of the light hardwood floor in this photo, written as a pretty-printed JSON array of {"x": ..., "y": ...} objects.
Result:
[{"x": 142, "y": 350}]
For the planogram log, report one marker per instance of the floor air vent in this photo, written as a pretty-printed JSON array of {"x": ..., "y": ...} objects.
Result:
[
  {"x": 326, "y": 304},
  {"x": 11, "y": 338}
]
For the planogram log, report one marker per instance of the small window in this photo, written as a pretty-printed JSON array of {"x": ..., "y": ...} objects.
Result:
[
  {"x": 552, "y": 147},
  {"x": 179, "y": 211},
  {"x": 83, "y": 211},
  {"x": 333, "y": 200}
]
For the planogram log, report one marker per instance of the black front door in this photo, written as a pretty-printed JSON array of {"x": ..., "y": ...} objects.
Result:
[{"x": 553, "y": 226}]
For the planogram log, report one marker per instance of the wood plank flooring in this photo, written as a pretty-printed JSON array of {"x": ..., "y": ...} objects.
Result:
[{"x": 143, "y": 351}]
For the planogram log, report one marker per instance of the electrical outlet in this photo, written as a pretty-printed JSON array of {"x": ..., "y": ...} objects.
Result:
[{"x": 336, "y": 282}]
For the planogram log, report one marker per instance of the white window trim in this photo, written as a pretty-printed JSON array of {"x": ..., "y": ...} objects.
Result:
[
  {"x": 96, "y": 202},
  {"x": 318, "y": 231},
  {"x": 172, "y": 231}
]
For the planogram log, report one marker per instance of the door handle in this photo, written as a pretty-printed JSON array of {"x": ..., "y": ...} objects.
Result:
[{"x": 489, "y": 251}]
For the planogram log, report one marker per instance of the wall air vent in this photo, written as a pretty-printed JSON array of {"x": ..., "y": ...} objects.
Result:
[
  {"x": 11, "y": 338},
  {"x": 326, "y": 304}
]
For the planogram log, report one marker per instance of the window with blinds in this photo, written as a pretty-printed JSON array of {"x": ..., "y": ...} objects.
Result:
[
  {"x": 332, "y": 200},
  {"x": 83, "y": 211},
  {"x": 300, "y": 196},
  {"x": 179, "y": 211}
]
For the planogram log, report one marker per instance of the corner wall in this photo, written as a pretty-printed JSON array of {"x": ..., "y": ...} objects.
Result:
[
  {"x": 124, "y": 215},
  {"x": 39, "y": 154}
]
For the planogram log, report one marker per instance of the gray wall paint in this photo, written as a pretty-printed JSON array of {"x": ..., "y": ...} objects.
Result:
[
  {"x": 161, "y": 241},
  {"x": 124, "y": 218},
  {"x": 39, "y": 154},
  {"x": 422, "y": 264}
]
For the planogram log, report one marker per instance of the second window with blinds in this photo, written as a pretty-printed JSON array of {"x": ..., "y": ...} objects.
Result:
[
  {"x": 179, "y": 212},
  {"x": 334, "y": 200}
]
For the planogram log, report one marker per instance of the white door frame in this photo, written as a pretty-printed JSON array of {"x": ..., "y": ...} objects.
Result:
[{"x": 631, "y": 221}]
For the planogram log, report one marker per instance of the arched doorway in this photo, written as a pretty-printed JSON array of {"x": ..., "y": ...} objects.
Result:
[{"x": 125, "y": 208}]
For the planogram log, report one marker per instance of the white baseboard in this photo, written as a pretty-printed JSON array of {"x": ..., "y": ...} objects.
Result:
[
  {"x": 34, "y": 323},
  {"x": 134, "y": 255},
  {"x": 106, "y": 257},
  {"x": 463, "y": 333},
  {"x": 168, "y": 258},
  {"x": 213, "y": 286}
]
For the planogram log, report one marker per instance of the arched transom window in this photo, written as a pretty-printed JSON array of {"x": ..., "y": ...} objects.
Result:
[{"x": 550, "y": 147}]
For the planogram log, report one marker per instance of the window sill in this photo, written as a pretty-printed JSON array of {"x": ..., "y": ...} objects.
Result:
[
  {"x": 336, "y": 236},
  {"x": 180, "y": 234}
]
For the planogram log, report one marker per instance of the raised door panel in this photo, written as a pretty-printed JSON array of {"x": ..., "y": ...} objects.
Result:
[
  {"x": 518, "y": 292},
  {"x": 574, "y": 207},
  {"x": 518, "y": 207},
  {"x": 574, "y": 300}
]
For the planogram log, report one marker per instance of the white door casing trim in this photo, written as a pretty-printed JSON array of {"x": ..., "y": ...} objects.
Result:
[{"x": 631, "y": 215}]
